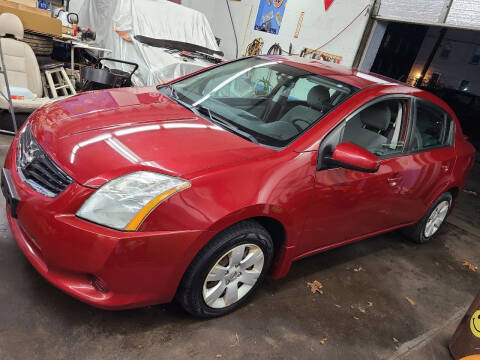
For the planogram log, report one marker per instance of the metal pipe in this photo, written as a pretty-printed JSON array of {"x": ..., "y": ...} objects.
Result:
[
  {"x": 429, "y": 61},
  {"x": 9, "y": 97}
]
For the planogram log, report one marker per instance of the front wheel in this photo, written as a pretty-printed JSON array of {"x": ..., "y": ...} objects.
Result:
[
  {"x": 227, "y": 271},
  {"x": 428, "y": 227}
]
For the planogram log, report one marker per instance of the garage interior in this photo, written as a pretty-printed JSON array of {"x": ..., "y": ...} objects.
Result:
[{"x": 380, "y": 298}]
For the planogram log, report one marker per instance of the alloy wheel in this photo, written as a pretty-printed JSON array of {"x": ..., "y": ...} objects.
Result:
[
  {"x": 436, "y": 218},
  {"x": 233, "y": 276}
]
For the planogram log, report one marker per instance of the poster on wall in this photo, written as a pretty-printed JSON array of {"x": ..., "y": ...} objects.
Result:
[{"x": 270, "y": 15}]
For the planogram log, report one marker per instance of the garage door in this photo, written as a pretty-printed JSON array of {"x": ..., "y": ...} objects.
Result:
[{"x": 452, "y": 13}]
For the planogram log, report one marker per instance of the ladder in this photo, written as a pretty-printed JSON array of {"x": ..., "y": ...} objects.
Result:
[
  {"x": 3, "y": 71},
  {"x": 62, "y": 82}
]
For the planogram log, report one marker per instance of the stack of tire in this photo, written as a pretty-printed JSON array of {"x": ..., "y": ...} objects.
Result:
[{"x": 40, "y": 44}]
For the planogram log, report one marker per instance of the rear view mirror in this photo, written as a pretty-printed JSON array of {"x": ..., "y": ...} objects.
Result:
[
  {"x": 351, "y": 156},
  {"x": 262, "y": 88}
]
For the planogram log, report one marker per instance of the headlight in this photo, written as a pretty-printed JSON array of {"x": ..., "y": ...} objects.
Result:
[{"x": 123, "y": 203}]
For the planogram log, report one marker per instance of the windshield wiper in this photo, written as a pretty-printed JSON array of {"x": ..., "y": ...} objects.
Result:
[
  {"x": 174, "y": 96},
  {"x": 218, "y": 120},
  {"x": 173, "y": 91}
]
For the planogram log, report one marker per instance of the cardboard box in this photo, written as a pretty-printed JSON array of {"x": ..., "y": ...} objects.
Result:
[
  {"x": 20, "y": 6},
  {"x": 31, "y": 3},
  {"x": 66, "y": 30},
  {"x": 33, "y": 19}
]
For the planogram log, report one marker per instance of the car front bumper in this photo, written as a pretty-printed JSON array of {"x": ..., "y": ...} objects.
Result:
[{"x": 134, "y": 268}]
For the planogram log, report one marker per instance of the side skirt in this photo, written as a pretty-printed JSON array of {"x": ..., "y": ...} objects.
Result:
[{"x": 345, "y": 242}]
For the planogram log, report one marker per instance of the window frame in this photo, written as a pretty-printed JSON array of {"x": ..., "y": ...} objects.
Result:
[
  {"x": 399, "y": 97},
  {"x": 451, "y": 136},
  {"x": 475, "y": 56},
  {"x": 338, "y": 130},
  {"x": 354, "y": 91}
]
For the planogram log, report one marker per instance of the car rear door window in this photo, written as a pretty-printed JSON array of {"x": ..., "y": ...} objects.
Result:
[{"x": 433, "y": 127}]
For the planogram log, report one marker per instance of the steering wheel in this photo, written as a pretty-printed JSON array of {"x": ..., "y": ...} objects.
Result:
[{"x": 298, "y": 127}]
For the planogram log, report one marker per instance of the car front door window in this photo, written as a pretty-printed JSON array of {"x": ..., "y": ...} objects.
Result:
[{"x": 379, "y": 128}]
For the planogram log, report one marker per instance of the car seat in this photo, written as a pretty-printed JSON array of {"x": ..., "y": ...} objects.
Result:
[
  {"x": 365, "y": 129},
  {"x": 21, "y": 66},
  {"x": 302, "y": 116}
]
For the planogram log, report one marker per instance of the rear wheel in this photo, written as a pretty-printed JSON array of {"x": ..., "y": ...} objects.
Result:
[
  {"x": 428, "y": 227},
  {"x": 227, "y": 271}
]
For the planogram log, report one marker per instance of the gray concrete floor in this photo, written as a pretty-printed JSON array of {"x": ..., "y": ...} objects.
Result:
[{"x": 359, "y": 314}]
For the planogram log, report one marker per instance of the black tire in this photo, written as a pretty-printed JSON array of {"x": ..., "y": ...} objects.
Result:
[
  {"x": 190, "y": 292},
  {"x": 416, "y": 233}
]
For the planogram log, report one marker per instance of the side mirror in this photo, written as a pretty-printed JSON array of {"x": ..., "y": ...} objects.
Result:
[{"x": 351, "y": 156}]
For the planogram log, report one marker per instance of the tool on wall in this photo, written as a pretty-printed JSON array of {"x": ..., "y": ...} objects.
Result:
[
  {"x": 275, "y": 49},
  {"x": 254, "y": 47}
]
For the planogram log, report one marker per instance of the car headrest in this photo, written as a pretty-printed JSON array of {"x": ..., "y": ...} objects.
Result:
[
  {"x": 318, "y": 96},
  {"x": 11, "y": 24},
  {"x": 377, "y": 116}
]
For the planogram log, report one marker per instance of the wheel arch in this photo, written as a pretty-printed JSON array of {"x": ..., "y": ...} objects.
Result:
[
  {"x": 451, "y": 187},
  {"x": 455, "y": 190},
  {"x": 276, "y": 226},
  {"x": 270, "y": 217},
  {"x": 273, "y": 225}
]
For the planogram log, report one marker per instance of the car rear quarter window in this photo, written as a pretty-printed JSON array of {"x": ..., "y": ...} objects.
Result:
[{"x": 433, "y": 127}]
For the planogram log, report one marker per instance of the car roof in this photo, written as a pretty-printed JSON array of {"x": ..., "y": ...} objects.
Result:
[{"x": 347, "y": 75}]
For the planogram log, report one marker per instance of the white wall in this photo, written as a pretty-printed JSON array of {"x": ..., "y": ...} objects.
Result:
[
  {"x": 75, "y": 5},
  {"x": 319, "y": 26},
  {"x": 457, "y": 66}
]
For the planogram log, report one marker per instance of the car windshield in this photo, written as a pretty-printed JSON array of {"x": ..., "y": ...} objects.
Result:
[{"x": 262, "y": 100}]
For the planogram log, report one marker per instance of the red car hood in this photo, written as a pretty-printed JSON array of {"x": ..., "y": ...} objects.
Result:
[{"x": 97, "y": 136}]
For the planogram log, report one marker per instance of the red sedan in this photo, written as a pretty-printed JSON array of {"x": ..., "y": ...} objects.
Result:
[{"x": 195, "y": 189}]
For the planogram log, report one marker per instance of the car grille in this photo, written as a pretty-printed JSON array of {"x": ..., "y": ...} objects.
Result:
[{"x": 36, "y": 169}]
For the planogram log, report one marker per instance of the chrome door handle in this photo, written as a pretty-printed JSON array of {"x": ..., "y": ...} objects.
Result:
[{"x": 394, "y": 180}]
